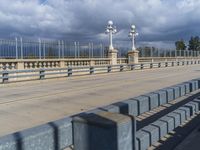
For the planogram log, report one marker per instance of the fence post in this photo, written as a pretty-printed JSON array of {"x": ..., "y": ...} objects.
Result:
[
  {"x": 16, "y": 48},
  {"x": 59, "y": 49},
  {"x": 5, "y": 77},
  {"x": 69, "y": 72},
  {"x": 42, "y": 74},
  {"x": 21, "y": 48},
  {"x": 40, "y": 52}
]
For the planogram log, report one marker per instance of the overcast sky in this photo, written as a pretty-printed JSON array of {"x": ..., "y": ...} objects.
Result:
[{"x": 159, "y": 22}]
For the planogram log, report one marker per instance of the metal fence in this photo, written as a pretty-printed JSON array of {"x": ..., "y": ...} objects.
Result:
[
  {"x": 42, "y": 49},
  {"x": 19, "y": 49},
  {"x": 152, "y": 52}
]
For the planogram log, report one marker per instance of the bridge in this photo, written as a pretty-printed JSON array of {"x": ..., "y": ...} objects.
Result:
[
  {"x": 28, "y": 104},
  {"x": 106, "y": 103}
]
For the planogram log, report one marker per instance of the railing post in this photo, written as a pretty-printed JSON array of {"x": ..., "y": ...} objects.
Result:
[
  {"x": 151, "y": 65},
  {"x": 42, "y": 74},
  {"x": 142, "y": 66},
  {"x": 121, "y": 68},
  {"x": 132, "y": 67},
  {"x": 20, "y": 65},
  {"x": 5, "y": 77},
  {"x": 109, "y": 69},
  {"x": 159, "y": 65},
  {"x": 172, "y": 63},
  {"x": 178, "y": 63},
  {"x": 166, "y": 64},
  {"x": 69, "y": 70},
  {"x": 91, "y": 70}
]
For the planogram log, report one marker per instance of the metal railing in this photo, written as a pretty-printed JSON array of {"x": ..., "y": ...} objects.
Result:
[
  {"x": 43, "y": 49},
  {"x": 40, "y": 74}
]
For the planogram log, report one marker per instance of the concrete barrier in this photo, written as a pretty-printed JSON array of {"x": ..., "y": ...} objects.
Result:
[
  {"x": 143, "y": 104},
  {"x": 104, "y": 131},
  {"x": 109, "y": 127},
  {"x": 54, "y": 135},
  {"x": 153, "y": 100},
  {"x": 162, "y": 97},
  {"x": 169, "y": 93},
  {"x": 152, "y": 133}
]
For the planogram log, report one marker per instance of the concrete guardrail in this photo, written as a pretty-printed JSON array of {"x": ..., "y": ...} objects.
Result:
[{"x": 112, "y": 127}]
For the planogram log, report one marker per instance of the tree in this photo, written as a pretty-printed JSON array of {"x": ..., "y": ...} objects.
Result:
[
  {"x": 194, "y": 43},
  {"x": 180, "y": 45}
]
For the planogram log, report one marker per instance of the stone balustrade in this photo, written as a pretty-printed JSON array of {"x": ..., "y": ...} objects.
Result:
[{"x": 13, "y": 64}]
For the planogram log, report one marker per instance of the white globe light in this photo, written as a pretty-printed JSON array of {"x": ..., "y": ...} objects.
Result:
[
  {"x": 137, "y": 34},
  {"x": 133, "y": 27},
  {"x": 110, "y": 22}
]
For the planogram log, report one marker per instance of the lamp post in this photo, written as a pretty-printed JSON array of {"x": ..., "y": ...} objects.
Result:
[
  {"x": 133, "y": 53},
  {"x": 132, "y": 35},
  {"x": 110, "y": 30},
  {"x": 112, "y": 52}
]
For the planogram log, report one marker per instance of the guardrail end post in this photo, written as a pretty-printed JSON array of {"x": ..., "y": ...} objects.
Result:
[
  {"x": 5, "y": 77},
  {"x": 91, "y": 70},
  {"x": 69, "y": 72}
]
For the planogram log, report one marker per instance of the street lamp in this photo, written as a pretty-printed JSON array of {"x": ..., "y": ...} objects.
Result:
[
  {"x": 110, "y": 29},
  {"x": 133, "y": 34}
]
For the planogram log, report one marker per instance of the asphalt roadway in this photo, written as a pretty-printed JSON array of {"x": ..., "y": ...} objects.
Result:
[{"x": 27, "y": 104}]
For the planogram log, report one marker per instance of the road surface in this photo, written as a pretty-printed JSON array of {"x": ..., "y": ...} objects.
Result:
[{"x": 27, "y": 104}]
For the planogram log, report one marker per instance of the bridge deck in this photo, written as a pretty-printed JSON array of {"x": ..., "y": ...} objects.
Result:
[{"x": 24, "y": 105}]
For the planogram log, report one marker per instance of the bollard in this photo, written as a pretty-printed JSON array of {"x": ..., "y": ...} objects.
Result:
[
  {"x": 42, "y": 74},
  {"x": 5, "y": 77},
  {"x": 121, "y": 68},
  {"x": 104, "y": 131},
  {"x": 69, "y": 72},
  {"x": 91, "y": 70},
  {"x": 109, "y": 69}
]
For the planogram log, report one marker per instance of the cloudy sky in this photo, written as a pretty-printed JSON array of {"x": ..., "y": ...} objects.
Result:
[{"x": 159, "y": 22}]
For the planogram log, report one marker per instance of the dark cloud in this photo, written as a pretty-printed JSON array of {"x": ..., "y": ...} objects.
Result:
[{"x": 157, "y": 21}]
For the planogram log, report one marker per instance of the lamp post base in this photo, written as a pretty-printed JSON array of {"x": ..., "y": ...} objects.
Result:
[
  {"x": 133, "y": 57},
  {"x": 112, "y": 54}
]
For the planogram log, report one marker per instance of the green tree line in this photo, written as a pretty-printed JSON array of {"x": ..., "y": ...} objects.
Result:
[{"x": 194, "y": 44}]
